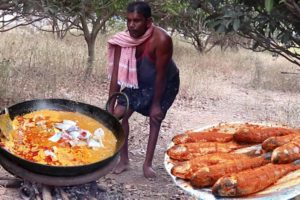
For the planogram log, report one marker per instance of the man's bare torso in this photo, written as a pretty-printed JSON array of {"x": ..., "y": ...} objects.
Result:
[{"x": 154, "y": 42}]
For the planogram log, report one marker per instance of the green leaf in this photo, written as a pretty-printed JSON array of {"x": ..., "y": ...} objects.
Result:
[
  {"x": 221, "y": 28},
  {"x": 172, "y": 11},
  {"x": 212, "y": 24},
  {"x": 227, "y": 23},
  {"x": 285, "y": 38},
  {"x": 236, "y": 24},
  {"x": 269, "y": 5}
]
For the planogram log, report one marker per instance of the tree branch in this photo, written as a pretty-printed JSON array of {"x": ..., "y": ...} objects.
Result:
[
  {"x": 5, "y": 6},
  {"x": 19, "y": 25},
  {"x": 100, "y": 23},
  {"x": 293, "y": 7}
]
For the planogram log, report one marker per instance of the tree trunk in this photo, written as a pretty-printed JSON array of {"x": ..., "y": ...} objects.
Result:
[
  {"x": 90, "y": 38},
  {"x": 91, "y": 55},
  {"x": 3, "y": 21},
  {"x": 54, "y": 27}
]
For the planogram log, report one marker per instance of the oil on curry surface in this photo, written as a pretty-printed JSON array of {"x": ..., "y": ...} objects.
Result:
[{"x": 60, "y": 138}]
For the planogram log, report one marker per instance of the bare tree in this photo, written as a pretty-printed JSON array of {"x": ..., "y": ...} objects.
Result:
[
  {"x": 88, "y": 16},
  {"x": 19, "y": 13}
]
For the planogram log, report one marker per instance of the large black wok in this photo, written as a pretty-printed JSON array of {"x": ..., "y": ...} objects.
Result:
[{"x": 65, "y": 105}]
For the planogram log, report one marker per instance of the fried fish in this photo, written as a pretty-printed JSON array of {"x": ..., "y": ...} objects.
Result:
[
  {"x": 186, "y": 169},
  {"x": 259, "y": 134},
  {"x": 207, "y": 176},
  {"x": 187, "y": 151},
  {"x": 212, "y": 136},
  {"x": 288, "y": 152},
  {"x": 273, "y": 142},
  {"x": 252, "y": 180}
]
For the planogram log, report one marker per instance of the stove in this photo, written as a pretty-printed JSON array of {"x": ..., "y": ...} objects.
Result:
[{"x": 32, "y": 185}]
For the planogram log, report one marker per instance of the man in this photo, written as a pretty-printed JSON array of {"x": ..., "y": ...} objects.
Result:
[{"x": 140, "y": 63}]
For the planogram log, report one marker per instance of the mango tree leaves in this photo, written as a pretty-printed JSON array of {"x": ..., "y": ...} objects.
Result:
[
  {"x": 273, "y": 24},
  {"x": 269, "y": 5}
]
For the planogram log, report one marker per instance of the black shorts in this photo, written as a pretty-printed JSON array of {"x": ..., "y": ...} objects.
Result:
[{"x": 140, "y": 100}]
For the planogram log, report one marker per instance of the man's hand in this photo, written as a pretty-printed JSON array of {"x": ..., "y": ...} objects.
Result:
[{"x": 111, "y": 108}]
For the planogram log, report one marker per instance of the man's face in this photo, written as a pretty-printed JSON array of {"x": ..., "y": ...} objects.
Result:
[{"x": 137, "y": 24}]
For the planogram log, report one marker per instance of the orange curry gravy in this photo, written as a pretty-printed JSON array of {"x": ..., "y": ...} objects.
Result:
[{"x": 30, "y": 139}]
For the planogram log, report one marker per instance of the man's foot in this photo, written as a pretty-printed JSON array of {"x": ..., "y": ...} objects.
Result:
[
  {"x": 121, "y": 167},
  {"x": 149, "y": 172}
]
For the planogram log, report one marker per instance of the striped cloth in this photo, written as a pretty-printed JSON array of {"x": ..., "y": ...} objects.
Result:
[{"x": 127, "y": 74}]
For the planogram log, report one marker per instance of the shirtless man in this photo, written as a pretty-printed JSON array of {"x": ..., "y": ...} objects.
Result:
[{"x": 151, "y": 83}]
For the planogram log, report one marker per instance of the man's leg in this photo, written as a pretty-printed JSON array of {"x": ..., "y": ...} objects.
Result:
[
  {"x": 124, "y": 158},
  {"x": 155, "y": 124}
]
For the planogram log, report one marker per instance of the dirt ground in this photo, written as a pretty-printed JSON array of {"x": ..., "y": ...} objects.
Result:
[{"x": 242, "y": 104}]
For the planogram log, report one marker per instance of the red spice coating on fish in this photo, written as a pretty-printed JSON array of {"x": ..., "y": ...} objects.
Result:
[
  {"x": 273, "y": 142},
  {"x": 191, "y": 150},
  {"x": 207, "y": 176},
  {"x": 212, "y": 136},
  {"x": 259, "y": 134},
  {"x": 252, "y": 180},
  {"x": 288, "y": 152},
  {"x": 186, "y": 169}
]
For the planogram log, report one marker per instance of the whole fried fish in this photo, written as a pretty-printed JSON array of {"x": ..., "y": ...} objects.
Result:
[
  {"x": 212, "y": 136},
  {"x": 273, "y": 142},
  {"x": 207, "y": 176},
  {"x": 252, "y": 180},
  {"x": 288, "y": 152},
  {"x": 187, "y": 151},
  {"x": 186, "y": 169},
  {"x": 260, "y": 134}
]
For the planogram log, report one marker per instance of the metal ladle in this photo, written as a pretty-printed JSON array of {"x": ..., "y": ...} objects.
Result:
[{"x": 5, "y": 124}]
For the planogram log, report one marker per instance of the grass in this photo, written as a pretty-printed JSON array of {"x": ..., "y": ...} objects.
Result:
[
  {"x": 254, "y": 70},
  {"x": 36, "y": 65},
  {"x": 39, "y": 65}
]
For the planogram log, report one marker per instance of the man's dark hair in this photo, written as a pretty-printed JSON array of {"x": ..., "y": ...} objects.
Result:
[{"x": 140, "y": 7}]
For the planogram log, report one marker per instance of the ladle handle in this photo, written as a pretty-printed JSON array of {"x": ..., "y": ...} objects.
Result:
[
  {"x": 116, "y": 94},
  {"x": 4, "y": 111}
]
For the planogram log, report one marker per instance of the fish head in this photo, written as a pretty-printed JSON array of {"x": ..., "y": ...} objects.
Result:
[
  {"x": 180, "y": 170},
  {"x": 225, "y": 187}
]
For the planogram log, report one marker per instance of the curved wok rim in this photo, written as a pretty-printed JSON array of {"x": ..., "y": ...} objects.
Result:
[{"x": 49, "y": 101}]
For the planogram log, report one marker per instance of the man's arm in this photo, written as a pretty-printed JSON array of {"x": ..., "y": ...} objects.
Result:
[
  {"x": 114, "y": 87},
  {"x": 163, "y": 55}
]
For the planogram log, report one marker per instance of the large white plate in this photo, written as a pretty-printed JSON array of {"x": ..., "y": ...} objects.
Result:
[{"x": 286, "y": 188}]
